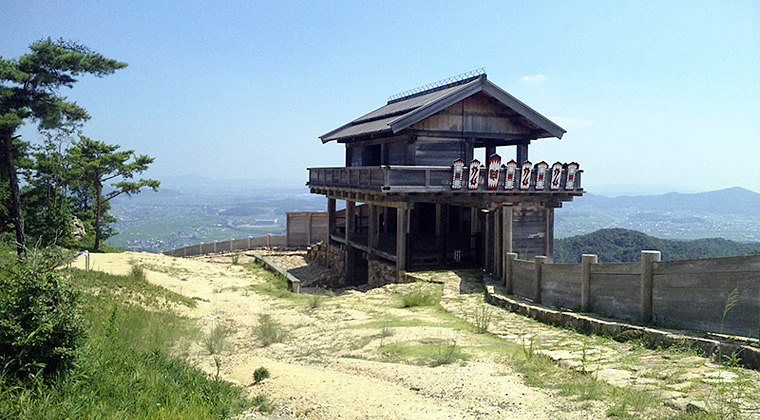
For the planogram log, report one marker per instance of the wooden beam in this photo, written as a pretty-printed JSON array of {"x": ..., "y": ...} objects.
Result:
[
  {"x": 373, "y": 239},
  {"x": 549, "y": 237},
  {"x": 402, "y": 218},
  {"x": 350, "y": 251},
  {"x": 330, "y": 217}
]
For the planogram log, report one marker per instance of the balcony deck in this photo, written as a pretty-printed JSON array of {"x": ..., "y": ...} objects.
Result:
[{"x": 377, "y": 181}]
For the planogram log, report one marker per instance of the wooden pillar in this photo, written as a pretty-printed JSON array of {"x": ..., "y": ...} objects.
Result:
[
  {"x": 648, "y": 258},
  {"x": 373, "y": 239},
  {"x": 488, "y": 246},
  {"x": 587, "y": 260},
  {"x": 549, "y": 229},
  {"x": 350, "y": 251},
  {"x": 522, "y": 153},
  {"x": 509, "y": 271},
  {"x": 506, "y": 223},
  {"x": 474, "y": 226},
  {"x": 330, "y": 217},
  {"x": 497, "y": 253},
  {"x": 540, "y": 261},
  {"x": 402, "y": 219},
  {"x": 490, "y": 150},
  {"x": 311, "y": 222}
]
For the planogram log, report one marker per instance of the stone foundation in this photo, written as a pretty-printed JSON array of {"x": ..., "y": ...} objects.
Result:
[
  {"x": 380, "y": 273},
  {"x": 330, "y": 256}
]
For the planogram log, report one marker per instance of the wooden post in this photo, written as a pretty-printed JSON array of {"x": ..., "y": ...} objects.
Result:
[
  {"x": 401, "y": 222},
  {"x": 540, "y": 261},
  {"x": 232, "y": 240},
  {"x": 438, "y": 224},
  {"x": 509, "y": 271},
  {"x": 330, "y": 218},
  {"x": 522, "y": 153},
  {"x": 308, "y": 235},
  {"x": 350, "y": 251},
  {"x": 549, "y": 228},
  {"x": 648, "y": 258},
  {"x": 586, "y": 261},
  {"x": 487, "y": 244},
  {"x": 249, "y": 243},
  {"x": 506, "y": 222},
  {"x": 474, "y": 226},
  {"x": 215, "y": 242},
  {"x": 269, "y": 240},
  {"x": 497, "y": 242},
  {"x": 373, "y": 239}
]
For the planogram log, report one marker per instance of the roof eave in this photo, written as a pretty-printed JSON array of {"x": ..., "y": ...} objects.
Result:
[{"x": 518, "y": 106}]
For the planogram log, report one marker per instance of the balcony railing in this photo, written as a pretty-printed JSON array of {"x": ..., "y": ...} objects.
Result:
[{"x": 425, "y": 179}]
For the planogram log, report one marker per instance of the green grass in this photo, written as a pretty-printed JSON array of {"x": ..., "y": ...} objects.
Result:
[
  {"x": 432, "y": 352},
  {"x": 130, "y": 366},
  {"x": 421, "y": 296}
]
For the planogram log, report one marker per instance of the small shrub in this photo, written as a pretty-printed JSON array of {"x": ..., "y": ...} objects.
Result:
[
  {"x": 418, "y": 297},
  {"x": 260, "y": 374},
  {"x": 216, "y": 340},
  {"x": 269, "y": 331},
  {"x": 137, "y": 274},
  {"x": 40, "y": 326}
]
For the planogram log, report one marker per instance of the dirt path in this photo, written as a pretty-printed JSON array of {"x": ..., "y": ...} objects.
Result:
[{"x": 339, "y": 361}]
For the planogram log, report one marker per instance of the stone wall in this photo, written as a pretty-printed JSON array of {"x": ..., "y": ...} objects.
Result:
[
  {"x": 380, "y": 273},
  {"x": 330, "y": 256}
]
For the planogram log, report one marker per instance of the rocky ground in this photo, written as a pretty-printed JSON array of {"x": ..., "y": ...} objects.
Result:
[{"x": 360, "y": 355}]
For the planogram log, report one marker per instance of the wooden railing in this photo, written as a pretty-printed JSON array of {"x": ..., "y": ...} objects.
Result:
[{"x": 433, "y": 179}]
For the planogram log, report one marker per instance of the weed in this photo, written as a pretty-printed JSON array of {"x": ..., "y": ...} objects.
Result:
[
  {"x": 731, "y": 302},
  {"x": 447, "y": 354},
  {"x": 235, "y": 258},
  {"x": 269, "y": 331},
  {"x": 482, "y": 317},
  {"x": 262, "y": 403},
  {"x": 216, "y": 340},
  {"x": 419, "y": 297},
  {"x": 260, "y": 374},
  {"x": 314, "y": 301}
]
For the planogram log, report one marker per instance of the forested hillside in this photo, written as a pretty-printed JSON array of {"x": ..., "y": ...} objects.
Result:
[{"x": 624, "y": 245}]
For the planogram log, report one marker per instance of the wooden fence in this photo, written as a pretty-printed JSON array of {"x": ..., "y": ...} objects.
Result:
[
  {"x": 717, "y": 295},
  {"x": 303, "y": 229}
]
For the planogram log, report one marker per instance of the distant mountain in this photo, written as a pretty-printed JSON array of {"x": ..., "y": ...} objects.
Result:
[
  {"x": 731, "y": 213},
  {"x": 624, "y": 245}
]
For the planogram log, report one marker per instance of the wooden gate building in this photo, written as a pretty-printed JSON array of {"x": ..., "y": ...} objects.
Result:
[{"x": 415, "y": 196}]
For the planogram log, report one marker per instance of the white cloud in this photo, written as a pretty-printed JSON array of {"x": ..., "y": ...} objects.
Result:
[{"x": 534, "y": 78}]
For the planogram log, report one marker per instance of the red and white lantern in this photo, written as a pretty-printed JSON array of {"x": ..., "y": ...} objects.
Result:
[
  {"x": 509, "y": 175},
  {"x": 474, "y": 176},
  {"x": 572, "y": 170},
  {"x": 525, "y": 175},
  {"x": 556, "y": 176},
  {"x": 541, "y": 169},
  {"x": 494, "y": 165},
  {"x": 456, "y": 178}
]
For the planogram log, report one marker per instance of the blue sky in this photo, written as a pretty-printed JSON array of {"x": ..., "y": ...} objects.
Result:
[{"x": 655, "y": 96}]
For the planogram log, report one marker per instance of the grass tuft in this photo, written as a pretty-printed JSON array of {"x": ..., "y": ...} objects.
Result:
[
  {"x": 419, "y": 296},
  {"x": 216, "y": 339},
  {"x": 269, "y": 331}
]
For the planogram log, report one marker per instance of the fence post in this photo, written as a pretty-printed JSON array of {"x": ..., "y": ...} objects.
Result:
[
  {"x": 648, "y": 258},
  {"x": 200, "y": 249},
  {"x": 540, "y": 261},
  {"x": 215, "y": 242},
  {"x": 249, "y": 243},
  {"x": 509, "y": 270},
  {"x": 586, "y": 261},
  {"x": 269, "y": 240}
]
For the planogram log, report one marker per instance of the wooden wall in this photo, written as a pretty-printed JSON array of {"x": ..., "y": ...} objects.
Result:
[
  {"x": 528, "y": 230},
  {"x": 685, "y": 294}
]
